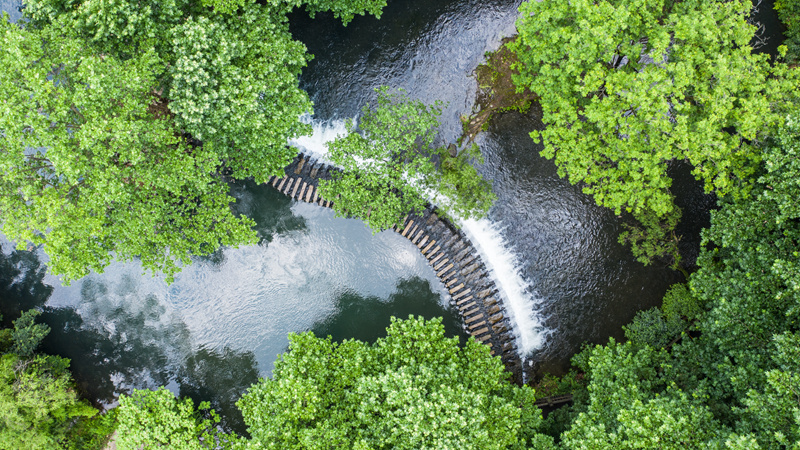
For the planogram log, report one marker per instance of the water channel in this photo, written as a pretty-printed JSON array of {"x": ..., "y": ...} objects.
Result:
[{"x": 222, "y": 323}]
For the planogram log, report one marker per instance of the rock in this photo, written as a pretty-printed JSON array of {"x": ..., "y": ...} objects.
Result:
[{"x": 453, "y": 150}]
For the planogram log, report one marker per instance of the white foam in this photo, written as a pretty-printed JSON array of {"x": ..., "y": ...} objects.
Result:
[
  {"x": 504, "y": 267},
  {"x": 324, "y": 131},
  {"x": 485, "y": 235}
]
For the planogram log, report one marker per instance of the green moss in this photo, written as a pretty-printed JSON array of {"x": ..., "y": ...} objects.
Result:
[{"x": 497, "y": 92}]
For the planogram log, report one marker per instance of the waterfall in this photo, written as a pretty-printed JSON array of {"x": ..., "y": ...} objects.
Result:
[
  {"x": 323, "y": 132},
  {"x": 485, "y": 235},
  {"x": 503, "y": 265}
]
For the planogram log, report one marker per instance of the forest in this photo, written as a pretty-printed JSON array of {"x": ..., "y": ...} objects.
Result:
[{"x": 122, "y": 121}]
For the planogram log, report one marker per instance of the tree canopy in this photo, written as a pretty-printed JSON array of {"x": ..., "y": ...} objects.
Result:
[
  {"x": 717, "y": 366},
  {"x": 627, "y": 86},
  {"x": 39, "y": 406},
  {"x": 118, "y": 117},
  {"x": 412, "y": 389},
  {"x": 389, "y": 167}
]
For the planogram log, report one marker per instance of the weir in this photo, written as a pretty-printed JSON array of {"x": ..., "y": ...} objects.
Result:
[{"x": 449, "y": 252}]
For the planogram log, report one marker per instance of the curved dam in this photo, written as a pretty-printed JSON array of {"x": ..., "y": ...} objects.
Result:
[{"x": 449, "y": 252}]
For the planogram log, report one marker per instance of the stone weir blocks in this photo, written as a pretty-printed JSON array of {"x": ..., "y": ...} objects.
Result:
[{"x": 449, "y": 252}]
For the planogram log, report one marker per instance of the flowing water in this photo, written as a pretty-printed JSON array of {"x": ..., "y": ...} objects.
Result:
[{"x": 209, "y": 335}]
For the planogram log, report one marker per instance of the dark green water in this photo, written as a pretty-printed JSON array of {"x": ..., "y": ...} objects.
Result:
[{"x": 222, "y": 323}]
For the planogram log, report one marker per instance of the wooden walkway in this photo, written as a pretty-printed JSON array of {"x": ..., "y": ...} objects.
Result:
[{"x": 449, "y": 252}]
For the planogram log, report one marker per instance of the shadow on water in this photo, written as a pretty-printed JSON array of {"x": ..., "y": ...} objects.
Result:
[
  {"x": 21, "y": 284},
  {"x": 117, "y": 342},
  {"x": 366, "y": 318},
  {"x": 269, "y": 208},
  {"x": 220, "y": 377}
]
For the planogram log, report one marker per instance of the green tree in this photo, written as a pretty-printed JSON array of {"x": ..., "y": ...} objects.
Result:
[
  {"x": 118, "y": 116},
  {"x": 27, "y": 335},
  {"x": 388, "y": 167},
  {"x": 38, "y": 404},
  {"x": 412, "y": 389},
  {"x": 789, "y": 14},
  {"x": 89, "y": 170},
  {"x": 732, "y": 381},
  {"x": 39, "y": 408},
  {"x": 627, "y": 86},
  {"x": 154, "y": 419}
]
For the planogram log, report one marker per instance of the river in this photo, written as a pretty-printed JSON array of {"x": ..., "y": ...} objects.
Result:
[{"x": 222, "y": 323}]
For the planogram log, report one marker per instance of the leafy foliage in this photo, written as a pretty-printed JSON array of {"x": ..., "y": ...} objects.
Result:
[
  {"x": 151, "y": 419},
  {"x": 789, "y": 14},
  {"x": 650, "y": 327},
  {"x": 27, "y": 335},
  {"x": 732, "y": 382},
  {"x": 388, "y": 168},
  {"x": 89, "y": 170},
  {"x": 412, "y": 389},
  {"x": 38, "y": 402},
  {"x": 626, "y": 86},
  {"x": 39, "y": 408},
  {"x": 105, "y": 105}
]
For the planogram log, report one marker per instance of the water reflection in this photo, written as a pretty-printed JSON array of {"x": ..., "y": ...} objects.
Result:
[
  {"x": 116, "y": 347},
  {"x": 270, "y": 209},
  {"x": 220, "y": 377},
  {"x": 219, "y": 327},
  {"x": 21, "y": 283},
  {"x": 366, "y": 317},
  {"x": 118, "y": 341}
]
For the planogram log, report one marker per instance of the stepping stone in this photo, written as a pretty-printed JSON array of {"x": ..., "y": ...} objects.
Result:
[
  {"x": 406, "y": 229},
  {"x": 457, "y": 288},
  {"x": 431, "y": 244},
  {"x": 468, "y": 305},
  {"x": 483, "y": 338},
  {"x": 452, "y": 241},
  {"x": 484, "y": 293},
  {"x": 433, "y": 261},
  {"x": 460, "y": 294},
  {"x": 470, "y": 269},
  {"x": 300, "y": 165},
  {"x": 499, "y": 328},
  {"x": 288, "y": 186},
  {"x": 308, "y": 194},
  {"x": 422, "y": 242},
  {"x": 443, "y": 271},
  {"x": 283, "y": 181},
  {"x": 476, "y": 325},
  {"x": 480, "y": 332},
  {"x": 441, "y": 263},
  {"x": 463, "y": 301},
  {"x": 471, "y": 312},
  {"x": 297, "y": 185},
  {"x": 414, "y": 230}
]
